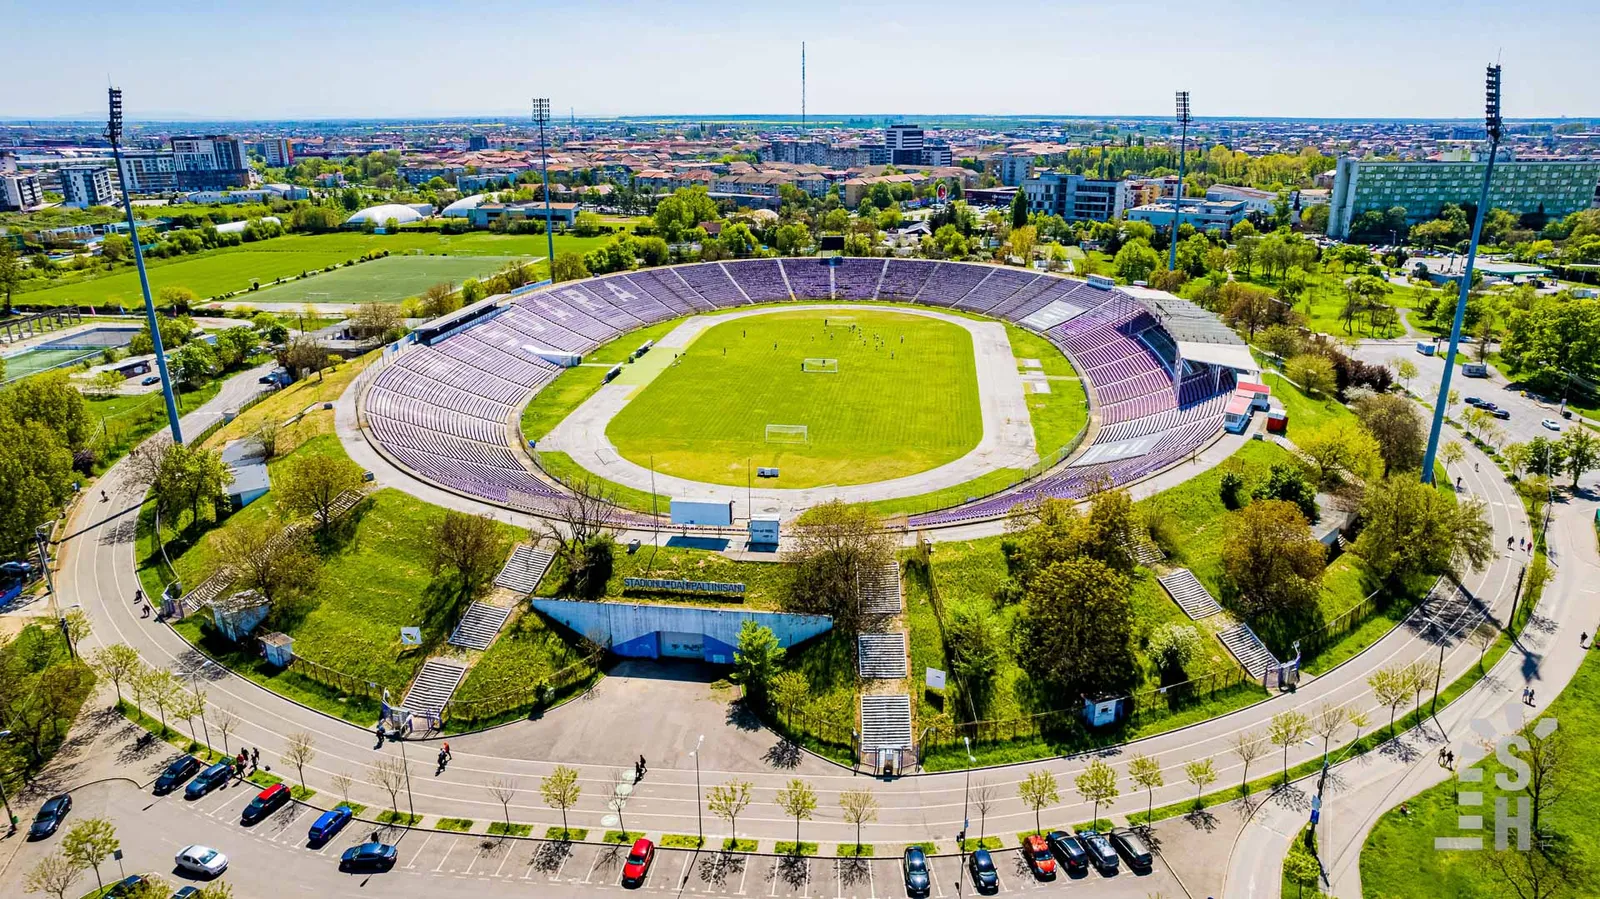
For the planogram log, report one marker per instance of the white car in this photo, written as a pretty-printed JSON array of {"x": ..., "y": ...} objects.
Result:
[
  {"x": 1552, "y": 424},
  {"x": 202, "y": 860}
]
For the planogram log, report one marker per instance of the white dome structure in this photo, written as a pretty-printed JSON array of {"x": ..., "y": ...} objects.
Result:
[
  {"x": 380, "y": 214},
  {"x": 460, "y": 208}
]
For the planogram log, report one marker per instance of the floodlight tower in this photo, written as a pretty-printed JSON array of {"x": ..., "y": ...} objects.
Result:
[
  {"x": 1491, "y": 119},
  {"x": 1177, "y": 200},
  {"x": 114, "y": 135},
  {"x": 802, "y": 87},
  {"x": 541, "y": 115}
]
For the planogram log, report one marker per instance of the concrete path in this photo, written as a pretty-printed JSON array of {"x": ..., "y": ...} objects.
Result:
[{"x": 1007, "y": 440}]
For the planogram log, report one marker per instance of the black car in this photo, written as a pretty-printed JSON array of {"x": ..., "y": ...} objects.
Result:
[
  {"x": 368, "y": 857},
  {"x": 915, "y": 867},
  {"x": 49, "y": 818},
  {"x": 126, "y": 886},
  {"x": 1501, "y": 414},
  {"x": 181, "y": 769},
  {"x": 266, "y": 802},
  {"x": 186, "y": 893},
  {"x": 1068, "y": 850},
  {"x": 984, "y": 876},
  {"x": 1473, "y": 401},
  {"x": 1100, "y": 850},
  {"x": 208, "y": 780},
  {"x": 1132, "y": 847}
]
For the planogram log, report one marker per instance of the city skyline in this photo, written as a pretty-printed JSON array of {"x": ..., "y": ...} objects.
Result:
[{"x": 436, "y": 61}]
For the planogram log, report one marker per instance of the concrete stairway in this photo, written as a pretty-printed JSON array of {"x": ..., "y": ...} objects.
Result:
[
  {"x": 881, "y": 655},
  {"x": 1147, "y": 553},
  {"x": 1190, "y": 595},
  {"x": 1248, "y": 649},
  {"x": 880, "y": 592},
  {"x": 479, "y": 626},
  {"x": 433, "y": 687},
  {"x": 524, "y": 569},
  {"x": 885, "y": 721}
]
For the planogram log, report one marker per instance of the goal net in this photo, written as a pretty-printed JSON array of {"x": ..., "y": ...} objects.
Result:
[
  {"x": 788, "y": 434},
  {"x": 827, "y": 366}
]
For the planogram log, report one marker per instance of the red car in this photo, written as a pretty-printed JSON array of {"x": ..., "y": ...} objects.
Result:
[
  {"x": 1037, "y": 852},
  {"x": 638, "y": 864},
  {"x": 265, "y": 803}
]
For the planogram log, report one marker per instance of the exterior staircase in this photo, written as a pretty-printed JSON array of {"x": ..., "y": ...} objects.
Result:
[
  {"x": 433, "y": 687},
  {"x": 1190, "y": 595},
  {"x": 1248, "y": 649},
  {"x": 880, "y": 591},
  {"x": 479, "y": 626},
  {"x": 1147, "y": 553},
  {"x": 885, "y": 721},
  {"x": 881, "y": 655},
  {"x": 524, "y": 569}
]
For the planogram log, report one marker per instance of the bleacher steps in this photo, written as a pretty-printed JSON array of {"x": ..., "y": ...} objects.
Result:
[
  {"x": 433, "y": 687},
  {"x": 885, "y": 721},
  {"x": 880, "y": 591},
  {"x": 1190, "y": 595},
  {"x": 524, "y": 569},
  {"x": 1248, "y": 649},
  {"x": 479, "y": 626},
  {"x": 882, "y": 655}
]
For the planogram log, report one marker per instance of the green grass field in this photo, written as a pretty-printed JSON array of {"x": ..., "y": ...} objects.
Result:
[
  {"x": 892, "y": 409},
  {"x": 34, "y": 361},
  {"x": 387, "y": 280}
]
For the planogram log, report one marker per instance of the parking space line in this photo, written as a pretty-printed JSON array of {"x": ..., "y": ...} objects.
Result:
[
  {"x": 592, "y": 866},
  {"x": 683, "y": 872},
  {"x": 774, "y": 878},
  {"x": 446, "y": 858},
  {"x": 418, "y": 854},
  {"x": 743, "y": 874},
  {"x": 503, "y": 861},
  {"x": 872, "y": 885}
]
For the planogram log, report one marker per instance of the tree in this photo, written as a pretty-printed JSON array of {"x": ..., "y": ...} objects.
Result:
[
  {"x": 376, "y": 320},
  {"x": 1343, "y": 451},
  {"x": 504, "y": 789},
  {"x": 1452, "y": 453},
  {"x": 1287, "y": 482},
  {"x": 1581, "y": 451},
  {"x": 686, "y": 208},
  {"x": 1391, "y": 686},
  {"x": 35, "y": 478},
  {"x": 271, "y": 559},
  {"x": 51, "y": 400},
  {"x": 1405, "y": 370},
  {"x": 983, "y": 799},
  {"x": 1281, "y": 341},
  {"x": 470, "y": 547},
  {"x": 728, "y": 801},
  {"x": 1272, "y": 561},
  {"x": 310, "y": 484},
  {"x": 234, "y": 346},
  {"x": 1313, "y": 372},
  {"x": 837, "y": 547},
  {"x": 1145, "y": 772},
  {"x": 1023, "y": 240},
  {"x": 1539, "y": 874},
  {"x": 1019, "y": 210},
  {"x": 10, "y": 271},
  {"x": 859, "y": 807},
  {"x": 1285, "y": 730},
  {"x": 1136, "y": 260},
  {"x": 1036, "y": 791},
  {"x": 798, "y": 801},
  {"x": 1077, "y": 629},
  {"x": 1202, "y": 773},
  {"x": 1172, "y": 646},
  {"x": 560, "y": 790},
  {"x": 788, "y": 689},
  {"x": 226, "y": 720},
  {"x": 1547, "y": 771},
  {"x": 756, "y": 658},
  {"x": 90, "y": 842},
  {"x": 389, "y": 775},
  {"x": 1393, "y": 422},
  {"x": 163, "y": 688},
  {"x": 54, "y": 874},
  {"x": 117, "y": 661},
  {"x": 1301, "y": 868},
  {"x": 1098, "y": 784},
  {"x": 1410, "y": 528},
  {"x": 1329, "y": 718},
  {"x": 299, "y": 752},
  {"x": 303, "y": 355},
  {"x": 578, "y": 530},
  {"x": 440, "y": 299},
  {"x": 1248, "y": 746}
]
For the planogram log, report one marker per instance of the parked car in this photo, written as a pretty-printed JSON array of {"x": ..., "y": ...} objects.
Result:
[
  {"x": 1487, "y": 406},
  {"x": 202, "y": 860},
  {"x": 1502, "y": 414},
  {"x": 1068, "y": 850},
  {"x": 368, "y": 857},
  {"x": 1101, "y": 852},
  {"x": 1473, "y": 401},
  {"x": 1551, "y": 424},
  {"x": 181, "y": 769},
  {"x": 984, "y": 876},
  {"x": 266, "y": 802},
  {"x": 329, "y": 823},
  {"x": 208, "y": 780},
  {"x": 1132, "y": 847},
  {"x": 915, "y": 868},
  {"x": 153, "y": 379},
  {"x": 188, "y": 892},
  {"x": 126, "y": 886},
  {"x": 50, "y": 816},
  {"x": 637, "y": 867},
  {"x": 1037, "y": 852}
]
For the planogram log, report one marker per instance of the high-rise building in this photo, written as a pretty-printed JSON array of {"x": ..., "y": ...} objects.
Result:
[
  {"x": 278, "y": 151},
  {"x": 1422, "y": 189},
  {"x": 1015, "y": 168},
  {"x": 1076, "y": 198},
  {"x": 478, "y": 142},
  {"x": 210, "y": 162},
  {"x": 904, "y": 143},
  {"x": 149, "y": 171},
  {"x": 937, "y": 154},
  {"x": 86, "y": 185},
  {"x": 19, "y": 192}
]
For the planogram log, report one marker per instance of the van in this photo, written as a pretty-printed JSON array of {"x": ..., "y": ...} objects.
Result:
[
  {"x": 1475, "y": 370},
  {"x": 1425, "y": 347}
]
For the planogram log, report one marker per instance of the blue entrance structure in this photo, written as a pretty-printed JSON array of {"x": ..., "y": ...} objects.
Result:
[{"x": 653, "y": 630}]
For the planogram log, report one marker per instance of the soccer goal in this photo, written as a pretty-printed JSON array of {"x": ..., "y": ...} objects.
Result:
[
  {"x": 796, "y": 434},
  {"x": 825, "y": 366}
]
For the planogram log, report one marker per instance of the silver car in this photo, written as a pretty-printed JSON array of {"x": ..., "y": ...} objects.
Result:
[{"x": 202, "y": 860}]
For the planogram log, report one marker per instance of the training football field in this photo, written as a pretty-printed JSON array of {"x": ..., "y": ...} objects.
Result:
[
  {"x": 904, "y": 399},
  {"x": 387, "y": 280}
]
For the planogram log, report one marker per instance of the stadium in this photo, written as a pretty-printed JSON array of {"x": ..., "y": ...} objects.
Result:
[{"x": 1156, "y": 370}]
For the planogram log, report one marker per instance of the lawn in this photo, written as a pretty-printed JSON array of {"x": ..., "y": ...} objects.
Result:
[
  {"x": 1305, "y": 413},
  {"x": 904, "y": 400},
  {"x": 293, "y": 400},
  {"x": 34, "y": 361},
  {"x": 1399, "y": 852},
  {"x": 557, "y": 399},
  {"x": 1057, "y": 416},
  {"x": 765, "y": 582},
  {"x": 387, "y": 280}
]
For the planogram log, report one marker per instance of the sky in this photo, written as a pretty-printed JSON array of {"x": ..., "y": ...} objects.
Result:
[{"x": 1252, "y": 58}]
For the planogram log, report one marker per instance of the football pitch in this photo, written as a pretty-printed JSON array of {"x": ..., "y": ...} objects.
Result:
[
  {"x": 904, "y": 400},
  {"x": 387, "y": 280}
]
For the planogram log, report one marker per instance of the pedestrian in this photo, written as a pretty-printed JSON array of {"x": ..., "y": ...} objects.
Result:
[
  {"x": 1450, "y": 760},
  {"x": 1583, "y": 638},
  {"x": 104, "y": 498},
  {"x": 1441, "y": 755},
  {"x": 447, "y": 753},
  {"x": 1530, "y": 696},
  {"x": 255, "y": 757},
  {"x": 145, "y": 613},
  {"x": 1524, "y": 695}
]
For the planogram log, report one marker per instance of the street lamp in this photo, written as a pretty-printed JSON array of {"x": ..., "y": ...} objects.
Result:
[
  {"x": 1492, "y": 123},
  {"x": 41, "y": 535},
  {"x": 1177, "y": 199},
  {"x": 698, "y": 821},
  {"x": 966, "y": 790},
  {"x": 541, "y": 115}
]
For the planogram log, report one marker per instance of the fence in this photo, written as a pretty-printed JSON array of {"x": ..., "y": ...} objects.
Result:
[
  {"x": 330, "y": 678},
  {"x": 1342, "y": 624},
  {"x": 526, "y": 696}
]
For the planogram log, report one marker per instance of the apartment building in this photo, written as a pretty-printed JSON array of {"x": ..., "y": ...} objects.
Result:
[
  {"x": 278, "y": 151},
  {"x": 86, "y": 185},
  {"x": 210, "y": 162},
  {"x": 1555, "y": 188},
  {"x": 19, "y": 192},
  {"x": 149, "y": 171},
  {"x": 1075, "y": 197}
]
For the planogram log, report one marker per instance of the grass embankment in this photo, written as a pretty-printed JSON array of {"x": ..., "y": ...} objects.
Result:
[
  {"x": 1059, "y": 415},
  {"x": 125, "y": 421}
]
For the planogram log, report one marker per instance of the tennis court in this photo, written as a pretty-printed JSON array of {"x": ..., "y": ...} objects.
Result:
[
  {"x": 34, "y": 361},
  {"x": 388, "y": 280}
]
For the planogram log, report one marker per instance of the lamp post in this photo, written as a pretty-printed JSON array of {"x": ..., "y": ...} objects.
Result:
[
  {"x": 114, "y": 135},
  {"x": 541, "y": 115},
  {"x": 11, "y": 820},
  {"x": 1491, "y": 107},
  {"x": 698, "y": 821},
  {"x": 411, "y": 805},
  {"x": 41, "y": 534},
  {"x": 966, "y": 789},
  {"x": 1177, "y": 199}
]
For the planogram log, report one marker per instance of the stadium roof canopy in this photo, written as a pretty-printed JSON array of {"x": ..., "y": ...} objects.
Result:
[
  {"x": 1200, "y": 335},
  {"x": 380, "y": 214}
]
